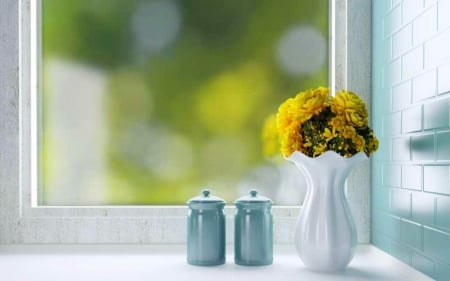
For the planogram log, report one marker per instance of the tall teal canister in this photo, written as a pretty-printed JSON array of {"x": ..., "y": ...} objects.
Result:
[
  {"x": 206, "y": 230},
  {"x": 253, "y": 231}
]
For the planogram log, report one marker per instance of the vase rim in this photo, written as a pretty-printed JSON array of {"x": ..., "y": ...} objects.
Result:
[{"x": 328, "y": 153}]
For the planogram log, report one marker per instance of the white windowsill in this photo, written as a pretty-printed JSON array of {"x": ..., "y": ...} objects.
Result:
[{"x": 152, "y": 262}]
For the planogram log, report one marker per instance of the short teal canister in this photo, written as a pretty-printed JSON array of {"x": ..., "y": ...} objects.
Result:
[
  {"x": 253, "y": 231},
  {"x": 206, "y": 230}
]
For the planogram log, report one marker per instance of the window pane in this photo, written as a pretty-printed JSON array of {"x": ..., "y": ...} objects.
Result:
[{"x": 148, "y": 102}]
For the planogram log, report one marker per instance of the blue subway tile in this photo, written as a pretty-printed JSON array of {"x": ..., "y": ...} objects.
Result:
[
  {"x": 393, "y": 73},
  {"x": 412, "y": 177},
  {"x": 401, "y": 40},
  {"x": 443, "y": 81},
  {"x": 392, "y": 124},
  {"x": 392, "y": 227},
  {"x": 401, "y": 96},
  {"x": 424, "y": 86},
  {"x": 436, "y": 114},
  {"x": 380, "y": 198},
  {"x": 401, "y": 149},
  {"x": 412, "y": 119},
  {"x": 380, "y": 240},
  {"x": 425, "y": 25},
  {"x": 377, "y": 221},
  {"x": 422, "y": 263},
  {"x": 443, "y": 211},
  {"x": 392, "y": 21},
  {"x": 423, "y": 207},
  {"x": 392, "y": 175},
  {"x": 401, "y": 202},
  {"x": 411, "y": 234},
  {"x": 436, "y": 179},
  {"x": 436, "y": 244},
  {"x": 422, "y": 147},
  {"x": 411, "y": 10},
  {"x": 412, "y": 65},
  {"x": 384, "y": 150},
  {"x": 436, "y": 49},
  {"x": 443, "y": 146},
  {"x": 442, "y": 271},
  {"x": 401, "y": 252}
]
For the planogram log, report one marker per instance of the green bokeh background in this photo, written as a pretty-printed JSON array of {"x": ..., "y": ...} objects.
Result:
[{"x": 213, "y": 86}]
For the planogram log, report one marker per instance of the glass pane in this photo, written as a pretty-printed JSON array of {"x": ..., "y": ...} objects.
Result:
[{"x": 148, "y": 102}]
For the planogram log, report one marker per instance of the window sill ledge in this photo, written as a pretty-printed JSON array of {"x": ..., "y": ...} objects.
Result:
[{"x": 145, "y": 262}]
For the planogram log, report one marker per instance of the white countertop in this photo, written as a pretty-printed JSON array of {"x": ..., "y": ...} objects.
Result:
[{"x": 150, "y": 262}]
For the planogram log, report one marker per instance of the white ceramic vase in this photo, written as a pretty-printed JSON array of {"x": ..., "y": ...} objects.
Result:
[{"x": 325, "y": 234}]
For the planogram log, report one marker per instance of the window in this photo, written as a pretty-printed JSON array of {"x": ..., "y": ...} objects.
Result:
[
  {"x": 148, "y": 102},
  {"x": 23, "y": 221}
]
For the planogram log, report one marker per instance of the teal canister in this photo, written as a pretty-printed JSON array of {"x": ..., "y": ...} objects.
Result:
[
  {"x": 206, "y": 230},
  {"x": 253, "y": 232}
]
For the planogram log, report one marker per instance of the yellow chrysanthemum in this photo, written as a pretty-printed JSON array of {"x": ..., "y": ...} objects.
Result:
[
  {"x": 270, "y": 136},
  {"x": 352, "y": 107},
  {"x": 309, "y": 103},
  {"x": 372, "y": 146},
  {"x": 313, "y": 122},
  {"x": 285, "y": 115},
  {"x": 348, "y": 132},
  {"x": 359, "y": 142},
  {"x": 291, "y": 139},
  {"x": 337, "y": 122}
]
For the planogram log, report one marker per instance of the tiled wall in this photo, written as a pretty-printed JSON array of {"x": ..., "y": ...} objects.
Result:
[{"x": 411, "y": 115}]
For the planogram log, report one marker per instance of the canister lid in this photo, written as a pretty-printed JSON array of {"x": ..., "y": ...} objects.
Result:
[
  {"x": 253, "y": 197},
  {"x": 206, "y": 197}
]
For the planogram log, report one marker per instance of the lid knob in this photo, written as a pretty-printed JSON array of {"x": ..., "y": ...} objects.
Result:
[
  {"x": 206, "y": 192},
  {"x": 253, "y": 193}
]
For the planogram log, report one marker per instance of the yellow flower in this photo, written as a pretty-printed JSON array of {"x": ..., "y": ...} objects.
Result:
[
  {"x": 309, "y": 103},
  {"x": 285, "y": 115},
  {"x": 319, "y": 149},
  {"x": 307, "y": 142},
  {"x": 352, "y": 107},
  {"x": 312, "y": 122},
  {"x": 348, "y": 132},
  {"x": 359, "y": 142},
  {"x": 291, "y": 139},
  {"x": 270, "y": 137},
  {"x": 372, "y": 146},
  {"x": 329, "y": 134},
  {"x": 337, "y": 122}
]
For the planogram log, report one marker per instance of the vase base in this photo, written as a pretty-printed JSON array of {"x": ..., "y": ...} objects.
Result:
[
  {"x": 326, "y": 270},
  {"x": 330, "y": 266}
]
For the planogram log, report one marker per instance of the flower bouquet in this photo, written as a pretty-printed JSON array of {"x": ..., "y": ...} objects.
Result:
[{"x": 313, "y": 122}]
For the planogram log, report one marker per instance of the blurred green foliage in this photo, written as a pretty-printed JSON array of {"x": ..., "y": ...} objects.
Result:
[{"x": 210, "y": 89}]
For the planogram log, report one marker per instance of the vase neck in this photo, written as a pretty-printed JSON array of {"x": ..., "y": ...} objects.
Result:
[{"x": 329, "y": 170}]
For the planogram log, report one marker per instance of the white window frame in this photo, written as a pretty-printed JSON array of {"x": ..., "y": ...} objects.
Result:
[{"x": 22, "y": 222}]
